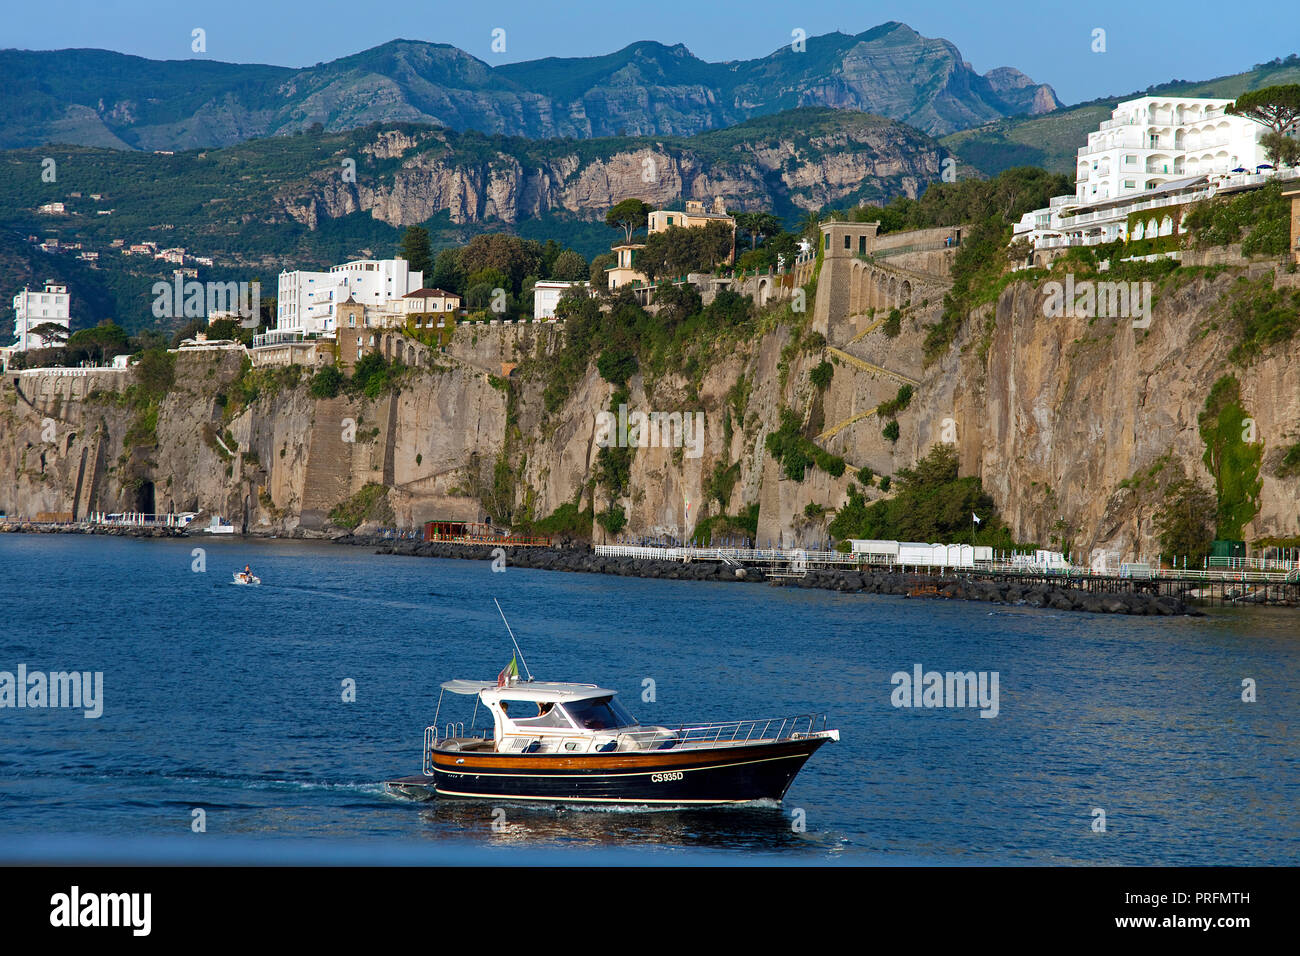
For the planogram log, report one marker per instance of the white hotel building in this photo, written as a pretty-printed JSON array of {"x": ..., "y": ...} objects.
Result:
[
  {"x": 306, "y": 300},
  {"x": 31, "y": 309},
  {"x": 1155, "y": 153}
]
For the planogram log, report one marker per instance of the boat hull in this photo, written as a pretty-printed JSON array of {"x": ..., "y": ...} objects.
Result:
[{"x": 715, "y": 775}]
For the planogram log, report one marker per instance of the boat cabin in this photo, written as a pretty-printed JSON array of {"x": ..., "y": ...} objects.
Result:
[{"x": 531, "y": 717}]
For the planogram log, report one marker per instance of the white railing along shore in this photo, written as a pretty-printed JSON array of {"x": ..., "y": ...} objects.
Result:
[{"x": 1263, "y": 572}]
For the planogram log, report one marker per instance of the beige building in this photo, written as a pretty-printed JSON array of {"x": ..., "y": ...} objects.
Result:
[
  {"x": 695, "y": 216},
  {"x": 624, "y": 271},
  {"x": 430, "y": 300}
]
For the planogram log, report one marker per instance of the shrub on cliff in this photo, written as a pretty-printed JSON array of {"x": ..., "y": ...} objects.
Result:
[
  {"x": 567, "y": 521},
  {"x": 368, "y": 504},
  {"x": 894, "y": 324},
  {"x": 371, "y": 375},
  {"x": 1290, "y": 464},
  {"x": 1262, "y": 317},
  {"x": 1263, "y": 215},
  {"x": 616, "y": 365},
  {"x": 896, "y": 404},
  {"x": 613, "y": 520},
  {"x": 155, "y": 373},
  {"x": 931, "y": 504},
  {"x": 326, "y": 383},
  {"x": 821, "y": 375}
]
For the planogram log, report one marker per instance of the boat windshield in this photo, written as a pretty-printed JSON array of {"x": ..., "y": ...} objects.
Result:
[{"x": 599, "y": 713}]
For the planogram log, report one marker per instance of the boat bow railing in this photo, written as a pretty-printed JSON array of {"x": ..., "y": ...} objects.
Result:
[
  {"x": 683, "y": 736},
  {"x": 767, "y": 729}
]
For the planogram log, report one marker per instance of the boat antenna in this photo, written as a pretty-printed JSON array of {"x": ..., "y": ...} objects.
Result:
[{"x": 512, "y": 639}]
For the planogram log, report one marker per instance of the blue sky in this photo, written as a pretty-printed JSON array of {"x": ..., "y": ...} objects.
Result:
[{"x": 1146, "y": 43}]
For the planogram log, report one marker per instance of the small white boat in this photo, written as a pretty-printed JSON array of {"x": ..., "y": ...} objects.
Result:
[
  {"x": 219, "y": 525},
  {"x": 247, "y": 579}
]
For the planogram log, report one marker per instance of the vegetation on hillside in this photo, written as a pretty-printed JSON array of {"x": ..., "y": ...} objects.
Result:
[
  {"x": 368, "y": 504},
  {"x": 796, "y": 453},
  {"x": 1259, "y": 219},
  {"x": 1232, "y": 456},
  {"x": 930, "y": 503},
  {"x": 1185, "y": 521}
]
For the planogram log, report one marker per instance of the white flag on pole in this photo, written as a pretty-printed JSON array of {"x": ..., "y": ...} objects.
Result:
[{"x": 974, "y": 517}]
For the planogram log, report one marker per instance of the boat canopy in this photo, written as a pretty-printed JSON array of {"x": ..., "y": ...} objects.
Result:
[{"x": 540, "y": 691}]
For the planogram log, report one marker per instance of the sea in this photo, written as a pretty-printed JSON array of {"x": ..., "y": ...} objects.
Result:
[{"x": 258, "y": 724}]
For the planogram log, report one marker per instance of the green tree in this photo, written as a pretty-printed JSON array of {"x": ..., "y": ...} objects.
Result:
[
  {"x": 570, "y": 266},
  {"x": 931, "y": 504},
  {"x": 51, "y": 332},
  {"x": 894, "y": 324},
  {"x": 630, "y": 215},
  {"x": 1281, "y": 149},
  {"x": 98, "y": 343},
  {"x": 677, "y": 303},
  {"x": 418, "y": 251},
  {"x": 1185, "y": 521},
  {"x": 757, "y": 226},
  {"x": 679, "y": 250},
  {"x": 509, "y": 255},
  {"x": 1277, "y": 107},
  {"x": 230, "y": 329},
  {"x": 617, "y": 365},
  {"x": 598, "y": 266},
  {"x": 448, "y": 273}
]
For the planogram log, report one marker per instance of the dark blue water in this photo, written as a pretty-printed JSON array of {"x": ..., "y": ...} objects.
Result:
[{"x": 229, "y": 699}]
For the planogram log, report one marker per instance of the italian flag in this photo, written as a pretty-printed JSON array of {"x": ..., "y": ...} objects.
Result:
[{"x": 510, "y": 672}]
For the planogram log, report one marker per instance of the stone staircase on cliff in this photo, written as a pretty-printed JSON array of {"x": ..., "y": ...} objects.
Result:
[
  {"x": 835, "y": 429},
  {"x": 328, "y": 480},
  {"x": 871, "y": 368}
]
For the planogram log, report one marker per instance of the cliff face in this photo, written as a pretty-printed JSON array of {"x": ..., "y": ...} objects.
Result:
[
  {"x": 1057, "y": 417},
  {"x": 813, "y": 159}
]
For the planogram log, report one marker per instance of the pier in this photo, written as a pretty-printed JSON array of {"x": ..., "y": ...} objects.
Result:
[{"x": 1243, "y": 581}]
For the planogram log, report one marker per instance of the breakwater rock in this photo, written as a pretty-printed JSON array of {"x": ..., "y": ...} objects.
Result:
[
  {"x": 125, "y": 531},
  {"x": 960, "y": 587}
]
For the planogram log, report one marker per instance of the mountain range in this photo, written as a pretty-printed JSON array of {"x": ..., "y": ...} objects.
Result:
[{"x": 102, "y": 98}]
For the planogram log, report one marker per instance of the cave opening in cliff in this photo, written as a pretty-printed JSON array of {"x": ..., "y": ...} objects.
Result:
[{"x": 144, "y": 498}]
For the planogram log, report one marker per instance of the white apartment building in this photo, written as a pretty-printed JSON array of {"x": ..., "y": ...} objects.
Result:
[
  {"x": 1155, "y": 156},
  {"x": 1154, "y": 140},
  {"x": 31, "y": 309},
  {"x": 546, "y": 296},
  {"x": 306, "y": 300}
]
